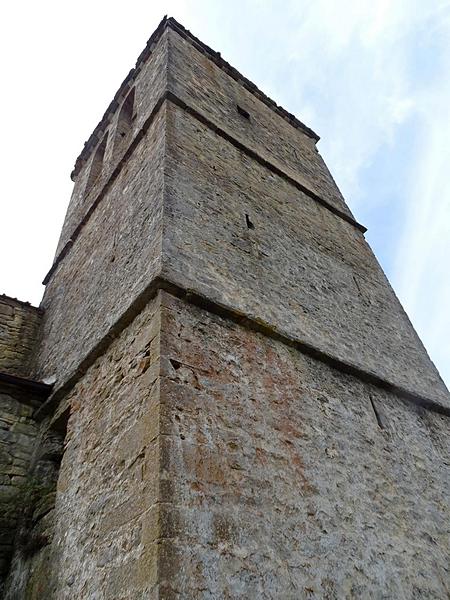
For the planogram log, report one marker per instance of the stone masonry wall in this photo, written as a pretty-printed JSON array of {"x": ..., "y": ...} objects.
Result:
[
  {"x": 106, "y": 519},
  {"x": 29, "y": 575},
  {"x": 19, "y": 322},
  {"x": 18, "y": 434},
  {"x": 206, "y": 460},
  {"x": 149, "y": 86},
  {"x": 115, "y": 257},
  {"x": 195, "y": 79},
  {"x": 246, "y": 238},
  {"x": 287, "y": 479}
]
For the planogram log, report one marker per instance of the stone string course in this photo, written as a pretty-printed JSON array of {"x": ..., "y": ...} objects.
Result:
[{"x": 258, "y": 325}]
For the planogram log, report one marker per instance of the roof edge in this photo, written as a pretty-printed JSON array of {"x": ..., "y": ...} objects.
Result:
[
  {"x": 216, "y": 57},
  {"x": 39, "y": 388},
  {"x": 23, "y": 303}
]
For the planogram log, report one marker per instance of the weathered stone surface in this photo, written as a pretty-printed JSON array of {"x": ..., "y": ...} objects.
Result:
[
  {"x": 116, "y": 256},
  {"x": 283, "y": 484},
  {"x": 18, "y": 434},
  {"x": 30, "y": 573},
  {"x": 19, "y": 322},
  {"x": 207, "y": 88},
  {"x": 300, "y": 268},
  {"x": 107, "y": 502},
  {"x": 254, "y": 472},
  {"x": 233, "y": 230}
]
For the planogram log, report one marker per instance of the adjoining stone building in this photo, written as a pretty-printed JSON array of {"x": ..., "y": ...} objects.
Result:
[{"x": 220, "y": 395}]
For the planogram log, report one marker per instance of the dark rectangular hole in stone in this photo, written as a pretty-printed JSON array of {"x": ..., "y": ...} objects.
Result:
[
  {"x": 175, "y": 363},
  {"x": 248, "y": 222},
  {"x": 243, "y": 112}
]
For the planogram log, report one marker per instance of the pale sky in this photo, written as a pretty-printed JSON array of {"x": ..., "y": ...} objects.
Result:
[{"x": 371, "y": 77}]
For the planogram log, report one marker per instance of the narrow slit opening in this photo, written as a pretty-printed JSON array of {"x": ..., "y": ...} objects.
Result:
[
  {"x": 377, "y": 414},
  {"x": 244, "y": 113},
  {"x": 125, "y": 120},
  {"x": 97, "y": 163},
  {"x": 248, "y": 222}
]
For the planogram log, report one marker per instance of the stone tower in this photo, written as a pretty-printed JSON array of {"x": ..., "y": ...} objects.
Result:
[{"x": 228, "y": 400}]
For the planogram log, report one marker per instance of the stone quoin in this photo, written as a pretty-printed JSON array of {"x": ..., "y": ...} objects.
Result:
[{"x": 220, "y": 395}]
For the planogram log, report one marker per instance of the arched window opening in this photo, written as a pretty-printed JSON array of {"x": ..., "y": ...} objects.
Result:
[
  {"x": 97, "y": 163},
  {"x": 125, "y": 120}
]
